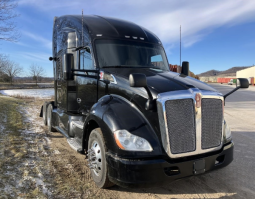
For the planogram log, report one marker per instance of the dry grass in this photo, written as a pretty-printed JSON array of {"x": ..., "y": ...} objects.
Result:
[
  {"x": 16, "y": 171},
  {"x": 30, "y": 166}
]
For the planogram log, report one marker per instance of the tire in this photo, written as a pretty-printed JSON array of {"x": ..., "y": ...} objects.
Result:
[
  {"x": 96, "y": 154},
  {"x": 45, "y": 113},
  {"x": 49, "y": 118}
]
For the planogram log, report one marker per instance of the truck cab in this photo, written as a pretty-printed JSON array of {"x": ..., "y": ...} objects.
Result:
[{"x": 117, "y": 102}]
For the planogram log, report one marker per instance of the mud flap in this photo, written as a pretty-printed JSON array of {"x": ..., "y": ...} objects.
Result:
[{"x": 41, "y": 113}]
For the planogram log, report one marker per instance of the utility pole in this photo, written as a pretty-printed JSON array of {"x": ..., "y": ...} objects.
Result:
[
  {"x": 180, "y": 45},
  {"x": 82, "y": 39}
]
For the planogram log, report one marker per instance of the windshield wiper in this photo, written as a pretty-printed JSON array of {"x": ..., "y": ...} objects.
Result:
[{"x": 117, "y": 66}]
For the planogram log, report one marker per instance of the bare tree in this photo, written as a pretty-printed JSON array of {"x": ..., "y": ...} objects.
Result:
[
  {"x": 11, "y": 69},
  {"x": 3, "y": 59},
  {"x": 8, "y": 28},
  {"x": 36, "y": 72}
]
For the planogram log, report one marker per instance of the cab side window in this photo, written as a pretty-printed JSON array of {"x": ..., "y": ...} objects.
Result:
[{"x": 86, "y": 62}]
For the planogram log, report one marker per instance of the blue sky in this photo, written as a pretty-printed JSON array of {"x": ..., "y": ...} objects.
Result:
[{"x": 216, "y": 34}]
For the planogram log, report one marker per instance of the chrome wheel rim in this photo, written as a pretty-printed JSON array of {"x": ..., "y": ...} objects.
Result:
[{"x": 95, "y": 158}]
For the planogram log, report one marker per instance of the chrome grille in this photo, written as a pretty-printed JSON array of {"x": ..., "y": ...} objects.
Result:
[
  {"x": 189, "y": 129},
  {"x": 181, "y": 125},
  {"x": 212, "y": 117}
]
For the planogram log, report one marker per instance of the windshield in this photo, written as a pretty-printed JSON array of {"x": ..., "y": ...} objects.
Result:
[{"x": 118, "y": 53}]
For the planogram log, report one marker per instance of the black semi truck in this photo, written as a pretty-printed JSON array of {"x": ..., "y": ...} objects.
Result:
[{"x": 117, "y": 102}]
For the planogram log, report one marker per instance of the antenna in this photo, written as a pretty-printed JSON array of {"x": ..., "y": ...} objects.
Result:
[
  {"x": 180, "y": 45},
  {"x": 82, "y": 28}
]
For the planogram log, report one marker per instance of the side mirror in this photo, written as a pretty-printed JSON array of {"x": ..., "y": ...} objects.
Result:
[
  {"x": 68, "y": 65},
  {"x": 185, "y": 68},
  {"x": 240, "y": 83},
  {"x": 139, "y": 80}
]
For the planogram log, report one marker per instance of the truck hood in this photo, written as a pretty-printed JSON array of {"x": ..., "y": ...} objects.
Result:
[{"x": 162, "y": 81}]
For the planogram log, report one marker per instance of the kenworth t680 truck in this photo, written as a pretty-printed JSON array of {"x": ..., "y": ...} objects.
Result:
[{"x": 117, "y": 102}]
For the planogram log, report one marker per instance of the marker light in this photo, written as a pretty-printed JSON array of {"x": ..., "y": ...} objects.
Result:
[
  {"x": 198, "y": 100},
  {"x": 130, "y": 142}
]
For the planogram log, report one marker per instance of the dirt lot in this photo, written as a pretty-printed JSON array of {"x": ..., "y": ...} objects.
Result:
[{"x": 36, "y": 163}]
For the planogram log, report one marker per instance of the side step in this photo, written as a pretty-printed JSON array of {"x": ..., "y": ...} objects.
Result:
[
  {"x": 72, "y": 141},
  {"x": 75, "y": 145}
]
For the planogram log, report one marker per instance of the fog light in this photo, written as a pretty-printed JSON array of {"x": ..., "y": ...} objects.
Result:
[{"x": 219, "y": 160}]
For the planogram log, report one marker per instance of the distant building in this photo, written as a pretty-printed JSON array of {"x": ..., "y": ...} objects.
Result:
[
  {"x": 248, "y": 73},
  {"x": 222, "y": 76},
  {"x": 175, "y": 68},
  {"x": 208, "y": 79}
]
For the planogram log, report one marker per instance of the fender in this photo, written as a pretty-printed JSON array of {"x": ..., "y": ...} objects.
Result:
[{"x": 113, "y": 112}]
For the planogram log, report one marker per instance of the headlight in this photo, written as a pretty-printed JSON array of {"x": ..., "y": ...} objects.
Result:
[
  {"x": 130, "y": 142},
  {"x": 227, "y": 131}
]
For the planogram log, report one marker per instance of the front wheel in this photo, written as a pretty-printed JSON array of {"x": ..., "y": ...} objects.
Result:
[{"x": 97, "y": 160}]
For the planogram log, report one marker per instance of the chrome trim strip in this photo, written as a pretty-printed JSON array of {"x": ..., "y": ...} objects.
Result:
[{"x": 184, "y": 94}]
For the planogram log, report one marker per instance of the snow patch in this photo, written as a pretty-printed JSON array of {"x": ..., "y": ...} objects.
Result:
[{"x": 36, "y": 93}]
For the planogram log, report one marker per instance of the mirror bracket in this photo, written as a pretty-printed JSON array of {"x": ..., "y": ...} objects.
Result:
[
  {"x": 52, "y": 58},
  {"x": 229, "y": 93},
  {"x": 244, "y": 83}
]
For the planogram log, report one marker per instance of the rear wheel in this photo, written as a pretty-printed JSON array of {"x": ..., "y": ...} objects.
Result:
[
  {"x": 49, "y": 118},
  {"x": 97, "y": 160}
]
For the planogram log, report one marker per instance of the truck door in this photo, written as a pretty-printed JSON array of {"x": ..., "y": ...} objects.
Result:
[
  {"x": 86, "y": 85},
  {"x": 61, "y": 83}
]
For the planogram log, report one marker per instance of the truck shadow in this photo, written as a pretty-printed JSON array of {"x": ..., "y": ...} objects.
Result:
[{"x": 52, "y": 135}]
